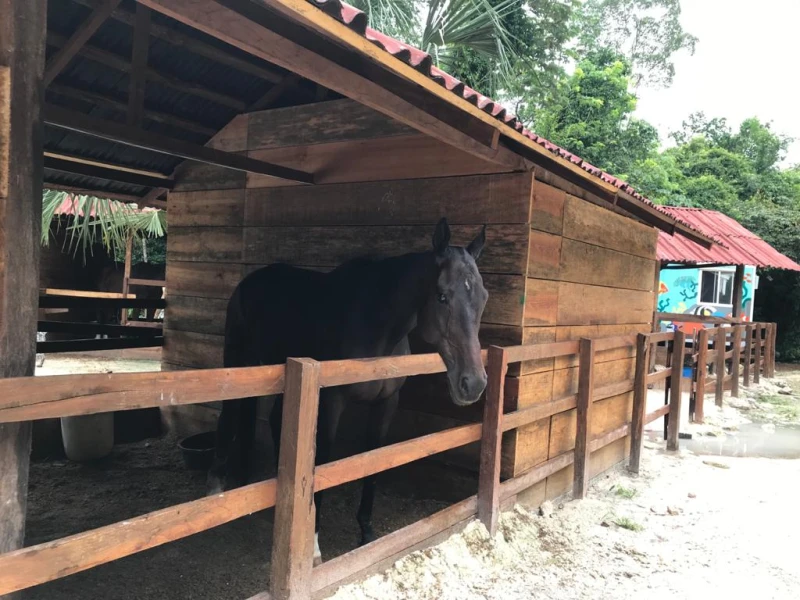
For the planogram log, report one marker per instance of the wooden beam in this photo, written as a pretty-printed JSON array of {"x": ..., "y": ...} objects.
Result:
[
  {"x": 738, "y": 287},
  {"x": 196, "y": 46},
  {"x": 583, "y": 433},
  {"x": 95, "y": 328},
  {"x": 122, "y": 107},
  {"x": 643, "y": 348},
  {"x": 702, "y": 373},
  {"x": 22, "y": 53},
  {"x": 250, "y": 32},
  {"x": 275, "y": 92},
  {"x": 122, "y": 64},
  {"x": 736, "y": 342},
  {"x": 131, "y": 136},
  {"x": 71, "y": 47},
  {"x": 106, "y": 172},
  {"x": 112, "y": 166},
  {"x": 126, "y": 275},
  {"x": 138, "y": 75},
  {"x": 719, "y": 346},
  {"x": 97, "y": 344},
  {"x": 676, "y": 384},
  {"x": 293, "y": 535},
  {"x": 491, "y": 440},
  {"x": 54, "y": 185}
]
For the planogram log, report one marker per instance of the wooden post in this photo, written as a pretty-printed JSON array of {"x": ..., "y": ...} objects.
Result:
[
  {"x": 491, "y": 441},
  {"x": 702, "y": 373},
  {"x": 720, "y": 362},
  {"x": 22, "y": 47},
  {"x": 675, "y": 390},
  {"x": 639, "y": 400},
  {"x": 126, "y": 276},
  {"x": 769, "y": 366},
  {"x": 748, "y": 354},
  {"x": 737, "y": 354},
  {"x": 293, "y": 536},
  {"x": 584, "y": 417},
  {"x": 774, "y": 349},
  {"x": 757, "y": 343},
  {"x": 738, "y": 286}
]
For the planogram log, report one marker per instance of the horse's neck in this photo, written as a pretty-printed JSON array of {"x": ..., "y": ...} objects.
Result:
[{"x": 388, "y": 299}]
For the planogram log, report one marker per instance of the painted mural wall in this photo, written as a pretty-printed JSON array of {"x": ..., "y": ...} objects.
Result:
[{"x": 706, "y": 292}]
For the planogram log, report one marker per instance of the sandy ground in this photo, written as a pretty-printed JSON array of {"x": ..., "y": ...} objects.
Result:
[{"x": 693, "y": 528}]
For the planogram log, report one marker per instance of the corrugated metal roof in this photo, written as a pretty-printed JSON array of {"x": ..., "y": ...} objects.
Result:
[
  {"x": 742, "y": 246},
  {"x": 423, "y": 62}
]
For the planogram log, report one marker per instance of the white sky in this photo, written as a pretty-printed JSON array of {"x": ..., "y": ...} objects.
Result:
[{"x": 744, "y": 65}]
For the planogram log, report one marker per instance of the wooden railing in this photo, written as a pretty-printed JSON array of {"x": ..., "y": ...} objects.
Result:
[
  {"x": 120, "y": 336},
  {"x": 300, "y": 380}
]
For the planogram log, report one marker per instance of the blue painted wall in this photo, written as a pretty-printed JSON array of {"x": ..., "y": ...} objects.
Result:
[{"x": 679, "y": 292}]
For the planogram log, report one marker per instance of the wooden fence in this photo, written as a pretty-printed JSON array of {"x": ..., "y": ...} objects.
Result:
[
  {"x": 292, "y": 573},
  {"x": 146, "y": 334}
]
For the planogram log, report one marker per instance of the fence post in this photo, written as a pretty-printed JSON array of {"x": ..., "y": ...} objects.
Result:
[
  {"x": 126, "y": 276},
  {"x": 580, "y": 482},
  {"x": 774, "y": 348},
  {"x": 702, "y": 374},
  {"x": 748, "y": 354},
  {"x": 293, "y": 535},
  {"x": 757, "y": 352},
  {"x": 720, "y": 368},
  {"x": 736, "y": 342},
  {"x": 676, "y": 379},
  {"x": 768, "y": 350},
  {"x": 639, "y": 400},
  {"x": 491, "y": 440}
]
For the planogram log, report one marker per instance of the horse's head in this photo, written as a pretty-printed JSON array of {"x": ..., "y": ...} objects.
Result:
[{"x": 451, "y": 315}]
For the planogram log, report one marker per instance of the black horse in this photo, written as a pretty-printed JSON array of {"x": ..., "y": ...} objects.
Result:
[{"x": 364, "y": 308}]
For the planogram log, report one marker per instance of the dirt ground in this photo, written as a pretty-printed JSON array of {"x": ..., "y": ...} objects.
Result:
[{"x": 704, "y": 528}]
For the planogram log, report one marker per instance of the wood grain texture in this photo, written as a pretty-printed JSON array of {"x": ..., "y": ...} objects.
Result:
[
  {"x": 719, "y": 345},
  {"x": 565, "y": 381},
  {"x": 198, "y": 315},
  {"x": 208, "y": 244},
  {"x": 198, "y": 350},
  {"x": 215, "y": 208},
  {"x": 675, "y": 387},
  {"x": 587, "y": 263},
  {"x": 541, "y": 302},
  {"x": 580, "y": 304},
  {"x": 202, "y": 279},
  {"x": 544, "y": 255},
  {"x": 293, "y": 535},
  {"x": 402, "y": 157},
  {"x": 702, "y": 373},
  {"x": 547, "y": 208},
  {"x": 470, "y": 200},
  {"x": 491, "y": 438},
  {"x": 22, "y": 54},
  {"x": 736, "y": 340},
  {"x": 504, "y": 252},
  {"x": 576, "y": 332},
  {"x": 595, "y": 225},
  {"x": 583, "y": 418},
  {"x": 639, "y": 401},
  {"x": 341, "y": 120}
]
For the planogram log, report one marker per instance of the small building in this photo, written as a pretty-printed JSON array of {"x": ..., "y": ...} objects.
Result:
[{"x": 720, "y": 281}]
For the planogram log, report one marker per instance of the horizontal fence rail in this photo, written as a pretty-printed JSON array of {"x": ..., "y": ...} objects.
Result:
[{"x": 28, "y": 398}]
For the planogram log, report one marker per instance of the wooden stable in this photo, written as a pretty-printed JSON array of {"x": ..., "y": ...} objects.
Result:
[
  {"x": 558, "y": 264},
  {"x": 334, "y": 146}
]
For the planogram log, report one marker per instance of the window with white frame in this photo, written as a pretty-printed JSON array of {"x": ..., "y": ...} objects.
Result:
[{"x": 716, "y": 287}]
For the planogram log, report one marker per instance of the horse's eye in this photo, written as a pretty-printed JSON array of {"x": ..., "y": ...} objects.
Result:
[{"x": 442, "y": 298}]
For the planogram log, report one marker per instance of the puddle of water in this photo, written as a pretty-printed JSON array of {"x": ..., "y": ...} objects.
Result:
[{"x": 752, "y": 439}]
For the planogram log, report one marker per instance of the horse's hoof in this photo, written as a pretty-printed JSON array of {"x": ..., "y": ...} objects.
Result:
[
  {"x": 367, "y": 537},
  {"x": 214, "y": 486}
]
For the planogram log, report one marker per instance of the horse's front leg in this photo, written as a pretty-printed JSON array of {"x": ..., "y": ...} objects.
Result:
[
  {"x": 380, "y": 417},
  {"x": 225, "y": 471},
  {"x": 331, "y": 406}
]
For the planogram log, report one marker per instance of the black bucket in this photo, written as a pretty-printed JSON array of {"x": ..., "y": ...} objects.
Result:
[{"x": 198, "y": 450}]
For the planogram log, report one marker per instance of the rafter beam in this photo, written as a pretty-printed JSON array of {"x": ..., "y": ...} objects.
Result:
[
  {"x": 126, "y": 198},
  {"x": 131, "y": 136},
  {"x": 196, "y": 46},
  {"x": 138, "y": 76},
  {"x": 119, "y": 63},
  {"x": 85, "y": 30},
  {"x": 109, "y": 172},
  {"x": 275, "y": 92},
  {"x": 252, "y": 28},
  {"x": 121, "y": 106}
]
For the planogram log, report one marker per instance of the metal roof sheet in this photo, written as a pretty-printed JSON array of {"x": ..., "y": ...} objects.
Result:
[{"x": 742, "y": 246}]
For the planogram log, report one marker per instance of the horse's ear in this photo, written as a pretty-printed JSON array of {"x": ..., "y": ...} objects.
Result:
[
  {"x": 476, "y": 246},
  {"x": 441, "y": 237}
]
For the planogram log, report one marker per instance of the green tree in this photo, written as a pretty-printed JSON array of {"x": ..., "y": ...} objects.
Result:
[
  {"x": 590, "y": 114},
  {"x": 648, "y": 33}
]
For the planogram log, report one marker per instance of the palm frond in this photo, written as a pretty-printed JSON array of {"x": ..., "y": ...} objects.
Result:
[{"x": 98, "y": 221}]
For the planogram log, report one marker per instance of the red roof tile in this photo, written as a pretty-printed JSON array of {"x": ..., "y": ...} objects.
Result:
[
  {"x": 423, "y": 62},
  {"x": 742, "y": 247}
]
